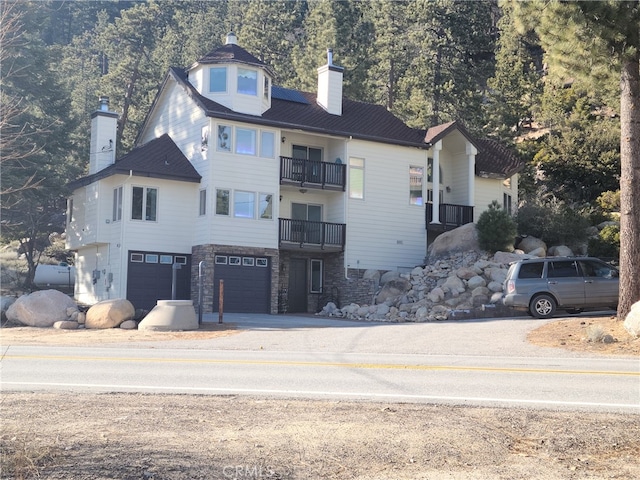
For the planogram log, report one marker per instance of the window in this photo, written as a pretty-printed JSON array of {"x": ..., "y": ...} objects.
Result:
[
  {"x": 221, "y": 259},
  {"x": 166, "y": 259},
  {"x": 245, "y": 141},
  {"x": 267, "y": 144},
  {"x": 137, "y": 258},
  {"x": 244, "y": 204},
  {"x": 316, "y": 276},
  {"x": 562, "y": 269},
  {"x": 265, "y": 88},
  {"x": 234, "y": 260},
  {"x": 266, "y": 206},
  {"x": 117, "y": 204},
  {"x": 144, "y": 202},
  {"x": 430, "y": 196},
  {"x": 222, "y": 202},
  {"x": 151, "y": 258},
  {"x": 247, "y": 81},
  {"x": 356, "y": 178},
  {"x": 224, "y": 138},
  {"x": 180, "y": 260},
  {"x": 262, "y": 262},
  {"x": 531, "y": 270},
  {"x": 248, "y": 261},
  {"x": 218, "y": 79},
  {"x": 415, "y": 185},
  {"x": 306, "y": 153},
  {"x": 203, "y": 202},
  {"x": 506, "y": 202}
]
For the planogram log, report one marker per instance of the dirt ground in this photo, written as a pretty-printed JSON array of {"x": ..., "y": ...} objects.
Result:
[{"x": 160, "y": 437}]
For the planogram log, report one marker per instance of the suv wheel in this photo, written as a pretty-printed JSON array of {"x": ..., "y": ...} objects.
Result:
[{"x": 542, "y": 306}]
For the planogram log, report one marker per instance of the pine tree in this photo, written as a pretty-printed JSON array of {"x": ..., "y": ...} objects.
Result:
[{"x": 590, "y": 41}]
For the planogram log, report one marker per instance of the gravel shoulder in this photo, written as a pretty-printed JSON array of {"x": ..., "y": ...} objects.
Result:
[{"x": 134, "y": 436}]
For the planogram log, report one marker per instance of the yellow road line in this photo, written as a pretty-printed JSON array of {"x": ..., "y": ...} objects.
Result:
[{"x": 375, "y": 366}]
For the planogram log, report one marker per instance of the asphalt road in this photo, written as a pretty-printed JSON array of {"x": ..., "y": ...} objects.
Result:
[{"x": 484, "y": 362}]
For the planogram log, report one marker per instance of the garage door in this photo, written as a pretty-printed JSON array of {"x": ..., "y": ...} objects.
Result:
[
  {"x": 247, "y": 283},
  {"x": 150, "y": 278}
]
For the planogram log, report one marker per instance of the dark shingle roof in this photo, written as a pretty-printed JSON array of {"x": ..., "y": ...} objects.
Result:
[
  {"x": 358, "y": 120},
  {"x": 495, "y": 160},
  {"x": 160, "y": 158},
  {"x": 232, "y": 53}
]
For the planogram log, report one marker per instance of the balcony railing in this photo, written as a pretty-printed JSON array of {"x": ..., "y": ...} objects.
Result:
[
  {"x": 451, "y": 216},
  {"x": 318, "y": 234},
  {"x": 312, "y": 173}
]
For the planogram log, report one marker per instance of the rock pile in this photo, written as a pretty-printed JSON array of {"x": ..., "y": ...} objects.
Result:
[{"x": 464, "y": 282}]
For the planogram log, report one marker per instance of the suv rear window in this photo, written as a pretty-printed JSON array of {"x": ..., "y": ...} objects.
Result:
[{"x": 531, "y": 270}]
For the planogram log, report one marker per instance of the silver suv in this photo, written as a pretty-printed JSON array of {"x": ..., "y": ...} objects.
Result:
[{"x": 574, "y": 284}]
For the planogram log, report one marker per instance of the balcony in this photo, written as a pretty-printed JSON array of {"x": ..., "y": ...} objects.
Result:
[
  {"x": 451, "y": 216},
  {"x": 296, "y": 234},
  {"x": 312, "y": 174}
]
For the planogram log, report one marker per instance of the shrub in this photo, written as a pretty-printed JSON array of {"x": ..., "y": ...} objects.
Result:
[
  {"x": 607, "y": 243},
  {"x": 496, "y": 229}
]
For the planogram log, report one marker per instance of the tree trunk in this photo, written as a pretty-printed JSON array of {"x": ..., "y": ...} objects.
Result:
[{"x": 629, "y": 185}]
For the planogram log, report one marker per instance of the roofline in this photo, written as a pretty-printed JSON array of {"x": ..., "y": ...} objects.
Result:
[
  {"x": 110, "y": 172},
  {"x": 455, "y": 125}
]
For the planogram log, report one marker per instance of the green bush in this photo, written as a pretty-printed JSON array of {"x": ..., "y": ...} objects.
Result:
[
  {"x": 607, "y": 243},
  {"x": 496, "y": 229}
]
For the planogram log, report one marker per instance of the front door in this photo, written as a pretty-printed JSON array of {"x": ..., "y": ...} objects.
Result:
[{"x": 298, "y": 285}]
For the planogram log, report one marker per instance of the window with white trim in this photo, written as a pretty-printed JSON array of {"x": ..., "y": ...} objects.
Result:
[
  {"x": 203, "y": 202},
  {"x": 356, "y": 178},
  {"x": 144, "y": 204},
  {"x": 244, "y": 204},
  {"x": 117, "y": 204},
  {"x": 415, "y": 185},
  {"x": 222, "y": 202},
  {"x": 247, "y": 81},
  {"x": 218, "y": 79},
  {"x": 224, "y": 138},
  {"x": 267, "y": 144},
  {"x": 245, "y": 141},
  {"x": 265, "y": 204}
]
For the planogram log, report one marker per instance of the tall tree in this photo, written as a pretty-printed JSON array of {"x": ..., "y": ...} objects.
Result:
[
  {"x": 269, "y": 30},
  {"x": 453, "y": 45},
  {"x": 341, "y": 26},
  {"x": 589, "y": 41}
]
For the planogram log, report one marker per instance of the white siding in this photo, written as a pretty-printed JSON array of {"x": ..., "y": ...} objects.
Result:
[
  {"x": 487, "y": 190},
  {"x": 384, "y": 231}
]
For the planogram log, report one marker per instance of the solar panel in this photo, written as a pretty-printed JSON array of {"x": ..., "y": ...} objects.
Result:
[{"x": 289, "y": 95}]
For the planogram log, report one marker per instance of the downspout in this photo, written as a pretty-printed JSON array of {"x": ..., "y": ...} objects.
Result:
[{"x": 346, "y": 204}]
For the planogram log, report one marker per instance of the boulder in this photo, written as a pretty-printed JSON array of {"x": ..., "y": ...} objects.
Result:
[
  {"x": 560, "y": 251},
  {"x": 529, "y": 244},
  {"x": 475, "y": 282},
  {"x": 505, "y": 258},
  {"x": 41, "y": 309},
  {"x": 109, "y": 313},
  {"x": 372, "y": 274},
  {"x": 632, "y": 321},
  {"x": 466, "y": 273},
  {"x": 5, "y": 303},
  {"x": 392, "y": 289},
  {"x": 461, "y": 239},
  {"x": 391, "y": 275},
  {"x": 454, "y": 285},
  {"x": 129, "y": 325},
  {"x": 496, "y": 274}
]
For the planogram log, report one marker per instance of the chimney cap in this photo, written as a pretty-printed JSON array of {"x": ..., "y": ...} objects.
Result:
[
  {"x": 231, "y": 39},
  {"x": 329, "y": 56},
  {"x": 103, "y": 103}
]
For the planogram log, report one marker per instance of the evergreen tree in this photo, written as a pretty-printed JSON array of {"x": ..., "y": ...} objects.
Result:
[
  {"x": 590, "y": 41},
  {"x": 341, "y": 26}
]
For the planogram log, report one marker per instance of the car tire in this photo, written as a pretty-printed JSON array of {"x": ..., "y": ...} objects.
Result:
[{"x": 542, "y": 306}]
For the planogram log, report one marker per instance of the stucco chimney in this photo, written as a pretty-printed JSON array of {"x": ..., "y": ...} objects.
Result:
[
  {"x": 330, "y": 86},
  {"x": 104, "y": 127}
]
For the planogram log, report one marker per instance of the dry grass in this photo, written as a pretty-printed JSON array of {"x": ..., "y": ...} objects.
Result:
[{"x": 22, "y": 455}]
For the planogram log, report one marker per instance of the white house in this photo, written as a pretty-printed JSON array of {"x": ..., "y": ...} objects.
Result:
[{"x": 286, "y": 196}]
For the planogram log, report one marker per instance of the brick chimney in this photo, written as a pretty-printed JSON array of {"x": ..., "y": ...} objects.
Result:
[
  {"x": 104, "y": 127},
  {"x": 330, "y": 86}
]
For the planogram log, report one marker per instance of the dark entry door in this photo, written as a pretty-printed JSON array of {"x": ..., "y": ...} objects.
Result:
[{"x": 298, "y": 285}]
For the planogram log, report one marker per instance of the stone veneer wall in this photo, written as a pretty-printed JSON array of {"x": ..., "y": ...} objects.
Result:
[
  {"x": 352, "y": 288},
  {"x": 208, "y": 252}
]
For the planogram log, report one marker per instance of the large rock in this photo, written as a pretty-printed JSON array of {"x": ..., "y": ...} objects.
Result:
[
  {"x": 392, "y": 289},
  {"x": 461, "y": 239},
  {"x": 41, "y": 309},
  {"x": 560, "y": 251},
  {"x": 109, "y": 313},
  {"x": 632, "y": 322},
  {"x": 505, "y": 258},
  {"x": 530, "y": 244},
  {"x": 5, "y": 303}
]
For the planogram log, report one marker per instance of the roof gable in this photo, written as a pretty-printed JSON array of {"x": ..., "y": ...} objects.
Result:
[
  {"x": 160, "y": 158},
  {"x": 494, "y": 160}
]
